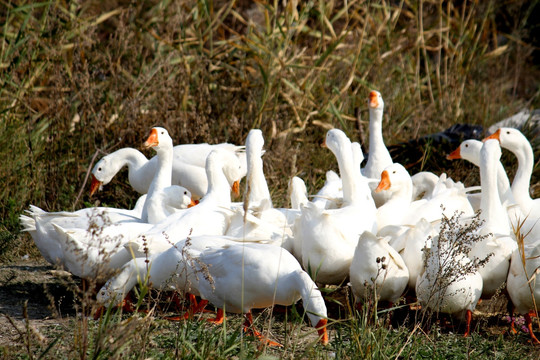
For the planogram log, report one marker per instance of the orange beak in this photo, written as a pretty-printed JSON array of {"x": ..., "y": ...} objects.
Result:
[
  {"x": 373, "y": 103},
  {"x": 454, "y": 155},
  {"x": 496, "y": 135},
  {"x": 94, "y": 185},
  {"x": 321, "y": 329},
  {"x": 236, "y": 188},
  {"x": 152, "y": 139},
  {"x": 324, "y": 143},
  {"x": 385, "y": 182},
  {"x": 193, "y": 203}
]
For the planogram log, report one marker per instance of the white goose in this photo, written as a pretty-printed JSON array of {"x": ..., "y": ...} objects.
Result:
[
  {"x": 517, "y": 143},
  {"x": 188, "y": 167},
  {"x": 154, "y": 210},
  {"x": 258, "y": 219},
  {"x": 442, "y": 289},
  {"x": 171, "y": 269},
  {"x": 329, "y": 237},
  {"x": 254, "y": 276},
  {"x": 379, "y": 157},
  {"x": 377, "y": 268},
  {"x": 496, "y": 227}
]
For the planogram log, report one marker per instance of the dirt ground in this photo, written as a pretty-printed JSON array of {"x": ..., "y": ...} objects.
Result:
[{"x": 44, "y": 290}]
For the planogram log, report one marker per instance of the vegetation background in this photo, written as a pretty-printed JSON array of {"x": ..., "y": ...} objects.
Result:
[{"x": 80, "y": 79}]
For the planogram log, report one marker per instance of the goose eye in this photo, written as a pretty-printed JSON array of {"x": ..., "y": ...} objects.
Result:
[
  {"x": 393, "y": 172},
  {"x": 163, "y": 132},
  {"x": 185, "y": 192},
  {"x": 99, "y": 169},
  {"x": 508, "y": 132},
  {"x": 466, "y": 145}
]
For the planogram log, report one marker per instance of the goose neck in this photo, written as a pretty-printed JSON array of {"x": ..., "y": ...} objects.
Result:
[
  {"x": 492, "y": 210},
  {"x": 133, "y": 158},
  {"x": 375, "y": 126},
  {"x": 163, "y": 176},
  {"x": 218, "y": 186},
  {"x": 521, "y": 182},
  {"x": 257, "y": 185},
  {"x": 349, "y": 176},
  {"x": 311, "y": 297}
]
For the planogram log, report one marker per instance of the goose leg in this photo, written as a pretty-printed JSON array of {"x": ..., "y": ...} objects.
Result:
[
  {"x": 248, "y": 327},
  {"x": 528, "y": 322},
  {"x": 469, "y": 318},
  {"x": 194, "y": 308},
  {"x": 219, "y": 317}
]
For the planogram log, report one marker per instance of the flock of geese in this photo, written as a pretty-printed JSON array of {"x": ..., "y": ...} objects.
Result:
[{"x": 368, "y": 225}]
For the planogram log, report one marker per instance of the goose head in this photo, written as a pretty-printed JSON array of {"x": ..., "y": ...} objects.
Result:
[
  {"x": 468, "y": 150},
  {"x": 297, "y": 192},
  {"x": 234, "y": 169},
  {"x": 159, "y": 139},
  {"x": 337, "y": 142},
  {"x": 509, "y": 138},
  {"x": 375, "y": 100},
  {"x": 102, "y": 173},
  {"x": 255, "y": 142},
  {"x": 394, "y": 177}
]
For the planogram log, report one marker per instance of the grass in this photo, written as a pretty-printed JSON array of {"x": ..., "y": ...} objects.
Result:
[{"x": 79, "y": 80}]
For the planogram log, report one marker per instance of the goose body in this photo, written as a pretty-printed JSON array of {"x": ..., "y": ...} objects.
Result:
[
  {"x": 330, "y": 196},
  {"x": 254, "y": 276},
  {"x": 329, "y": 237},
  {"x": 459, "y": 295},
  {"x": 367, "y": 272},
  {"x": 96, "y": 255},
  {"x": 415, "y": 240},
  {"x": 423, "y": 184},
  {"x": 171, "y": 269}
]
